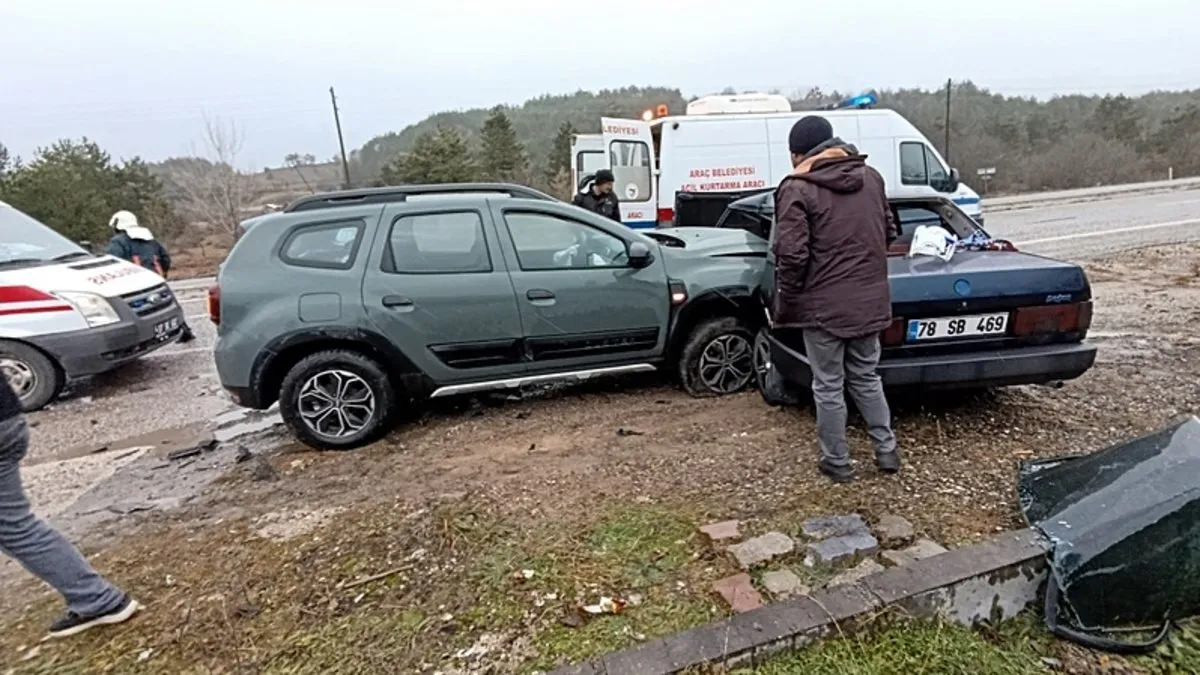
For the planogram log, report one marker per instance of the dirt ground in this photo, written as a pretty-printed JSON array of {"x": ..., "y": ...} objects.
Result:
[{"x": 593, "y": 490}]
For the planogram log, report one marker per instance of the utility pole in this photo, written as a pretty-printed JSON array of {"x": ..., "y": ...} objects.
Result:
[
  {"x": 341, "y": 142},
  {"x": 946, "y": 146}
]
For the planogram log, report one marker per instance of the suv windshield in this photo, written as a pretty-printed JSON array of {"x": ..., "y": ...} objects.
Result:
[{"x": 24, "y": 240}]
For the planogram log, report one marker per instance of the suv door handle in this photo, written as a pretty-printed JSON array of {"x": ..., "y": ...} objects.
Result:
[
  {"x": 539, "y": 294},
  {"x": 396, "y": 301}
]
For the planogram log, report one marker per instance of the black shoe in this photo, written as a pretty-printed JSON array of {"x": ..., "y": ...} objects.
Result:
[
  {"x": 889, "y": 462},
  {"x": 187, "y": 336},
  {"x": 73, "y": 624},
  {"x": 838, "y": 473}
]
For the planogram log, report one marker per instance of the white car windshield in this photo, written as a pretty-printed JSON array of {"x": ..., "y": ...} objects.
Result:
[{"x": 24, "y": 240}]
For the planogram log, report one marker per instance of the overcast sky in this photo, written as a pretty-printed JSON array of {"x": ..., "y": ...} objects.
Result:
[{"x": 138, "y": 76}]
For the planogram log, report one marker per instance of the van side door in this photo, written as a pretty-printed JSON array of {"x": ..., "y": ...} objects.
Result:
[{"x": 438, "y": 288}]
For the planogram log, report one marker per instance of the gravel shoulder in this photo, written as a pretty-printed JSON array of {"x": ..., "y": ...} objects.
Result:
[{"x": 254, "y": 573}]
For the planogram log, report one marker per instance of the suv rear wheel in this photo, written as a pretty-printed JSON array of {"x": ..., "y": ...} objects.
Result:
[
  {"x": 717, "y": 358},
  {"x": 337, "y": 400}
]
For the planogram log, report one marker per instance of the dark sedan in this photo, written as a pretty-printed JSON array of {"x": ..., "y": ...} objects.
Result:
[{"x": 990, "y": 316}]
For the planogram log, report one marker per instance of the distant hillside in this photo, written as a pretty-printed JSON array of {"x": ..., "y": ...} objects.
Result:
[
  {"x": 1066, "y": 141},
  {"x": 535, "y": 122}
]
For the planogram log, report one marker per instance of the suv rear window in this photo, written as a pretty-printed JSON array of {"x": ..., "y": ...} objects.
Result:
[
  {"x": 448, "y": 242},
  {"x": 325, "y": 245}
]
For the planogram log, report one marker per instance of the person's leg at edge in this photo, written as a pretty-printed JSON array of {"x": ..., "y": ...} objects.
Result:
[
  {"x": 47, "y": 554},
  {"x": 862, "y": 358},
  {"x": 826, "y": 354}
]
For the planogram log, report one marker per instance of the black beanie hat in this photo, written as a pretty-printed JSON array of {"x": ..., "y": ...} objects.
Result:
[
  {"x": 808, "y": 133},
  {"x": 604, "y": 176}
]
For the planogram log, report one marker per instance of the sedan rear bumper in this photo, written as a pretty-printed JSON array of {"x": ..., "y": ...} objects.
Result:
[{"x": 991, "y": 368}]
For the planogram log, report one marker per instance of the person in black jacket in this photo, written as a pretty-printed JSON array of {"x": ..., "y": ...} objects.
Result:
[
  {"x": 137, "y": 244},
  {"x": 597, "y": 196},
  {"x": 91, "y": 600}
]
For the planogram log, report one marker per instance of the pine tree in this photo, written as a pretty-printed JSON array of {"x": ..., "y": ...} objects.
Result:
[
  {"x": 503, "y": 155},
  {"x": 439, "y": 157},
  {"x": 559, "y": 159}
]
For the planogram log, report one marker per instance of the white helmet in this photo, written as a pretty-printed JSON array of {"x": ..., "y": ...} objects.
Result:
[{"x": 122, "y": 221}]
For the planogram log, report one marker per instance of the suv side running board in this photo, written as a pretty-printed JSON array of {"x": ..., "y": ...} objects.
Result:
[{"x": 516, "y": 382}]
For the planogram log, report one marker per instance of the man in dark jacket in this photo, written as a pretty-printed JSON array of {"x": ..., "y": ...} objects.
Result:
[
  {"x": 597, "y": 196},
  {"x": 137, "y": 244},
  {"x": 833, "y": 227},
  {"x": 91, "y": 600}
]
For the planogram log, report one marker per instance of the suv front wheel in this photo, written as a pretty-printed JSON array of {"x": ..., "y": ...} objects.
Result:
[
  {"x": 337, "y": 400},
  {"x": 717, "y": 358}
]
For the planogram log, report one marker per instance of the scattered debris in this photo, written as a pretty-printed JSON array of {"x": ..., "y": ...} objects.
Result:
[
  {"x": 783, "y": 584},
  {"x": 826, "y": 527},
  {"x": 126, "y": 508},
  {"x": 243, "y": 455},
  {"x": 864, "y": 569},
  {"x": 722, "y": 533},
  {"x": 263, "y": 471},
  {"x": 629, "y": 432},
  {"x": 739, "y": 593},
  {"x": 183, "y": 453},
  {"x": 606, "y": 605},
  {"x": 841, "y": 551},
  {"x": 765, "y": 548},
  {"x": 921, "y": 549},
  {"x": 144, "y": 655},
  {"x": 894, "y": 531},
  {"x": 375, "y": 577}
]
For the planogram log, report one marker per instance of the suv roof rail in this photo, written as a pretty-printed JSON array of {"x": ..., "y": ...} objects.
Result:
[{"x": 400, "y": 193}]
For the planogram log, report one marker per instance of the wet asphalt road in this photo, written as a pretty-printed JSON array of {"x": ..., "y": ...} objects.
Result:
[{"x": 178, "y": 386}]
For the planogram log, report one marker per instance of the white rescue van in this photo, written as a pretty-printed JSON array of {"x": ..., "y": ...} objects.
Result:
[
  {"x": 66, "y": 314},
  {"x": 728, "y": 146}
]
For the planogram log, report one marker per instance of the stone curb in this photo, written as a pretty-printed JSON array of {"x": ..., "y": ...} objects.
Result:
[{"x": 992, "y": 580}]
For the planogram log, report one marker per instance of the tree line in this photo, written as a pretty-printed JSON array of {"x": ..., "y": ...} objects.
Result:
[{"x": 1059, "y": 143}]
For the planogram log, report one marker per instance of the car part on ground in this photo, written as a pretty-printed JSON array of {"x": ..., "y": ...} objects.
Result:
[
  {"x": 775, "y": 390},
  {"x": 1124, "y": 526},
  {"x": 372, "y": 301}
]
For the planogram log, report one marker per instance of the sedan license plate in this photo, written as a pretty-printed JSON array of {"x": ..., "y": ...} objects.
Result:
[
  {"x": 948, "y": 327},
  {"x": 163, "y": 329}
]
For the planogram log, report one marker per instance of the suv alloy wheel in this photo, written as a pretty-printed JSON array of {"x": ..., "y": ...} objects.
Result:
[
  {"x": 337, "y": 400},
  {"x": 717, "y": 358}
]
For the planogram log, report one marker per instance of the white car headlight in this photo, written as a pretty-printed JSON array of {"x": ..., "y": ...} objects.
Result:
[{"x": 96, "y": 309}]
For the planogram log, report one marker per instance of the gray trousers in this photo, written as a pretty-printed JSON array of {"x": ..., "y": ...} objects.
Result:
[
  {"x": 38, "y": 547},
  {"x": 838, "y": 365}
]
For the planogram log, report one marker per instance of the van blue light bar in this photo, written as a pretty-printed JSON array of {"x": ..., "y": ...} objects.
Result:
[{"x": 866, "y": 99}]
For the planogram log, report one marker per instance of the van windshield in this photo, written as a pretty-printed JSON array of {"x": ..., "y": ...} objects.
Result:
[{"x": 24, "y": 240}]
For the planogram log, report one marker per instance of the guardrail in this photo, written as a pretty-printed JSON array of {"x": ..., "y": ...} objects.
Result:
[{"x": 1025, "y": 201}]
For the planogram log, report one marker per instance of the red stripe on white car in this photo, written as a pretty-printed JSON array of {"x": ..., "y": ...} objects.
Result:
[
  {"x": 7, "y": 309},
  {"x": 23, "y": 294}
]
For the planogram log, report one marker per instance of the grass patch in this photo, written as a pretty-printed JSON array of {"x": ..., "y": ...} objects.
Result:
[{"x": 475, "y": 589}]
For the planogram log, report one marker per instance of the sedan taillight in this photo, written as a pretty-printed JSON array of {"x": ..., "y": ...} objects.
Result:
[{"x": 1051, "y": 319}]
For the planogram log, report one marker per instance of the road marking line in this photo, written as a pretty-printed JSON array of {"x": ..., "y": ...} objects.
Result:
[{"x": 1102, "y": 233}]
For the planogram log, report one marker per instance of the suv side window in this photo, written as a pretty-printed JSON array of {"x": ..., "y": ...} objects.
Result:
[
  {"x": 448, "y": 242},
  {"x": 913, "y": 170},
  {"x": 546, "y": 242},
  {"x": 330, "y": 246}
]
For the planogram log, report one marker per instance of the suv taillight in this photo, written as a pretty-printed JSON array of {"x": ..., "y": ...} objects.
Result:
[{"x": 214, "y": 303}]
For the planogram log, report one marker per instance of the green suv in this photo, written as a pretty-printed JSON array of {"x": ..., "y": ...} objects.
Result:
[{"x": 349, "y": 307}]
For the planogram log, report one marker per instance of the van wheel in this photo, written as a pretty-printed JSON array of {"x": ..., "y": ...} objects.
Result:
[
  {"x": 337, "y": 400},
  {"x": 774, "y": 389},
  {"x": 717, "y": 359},
  {"x": 31, "y": 374}
]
